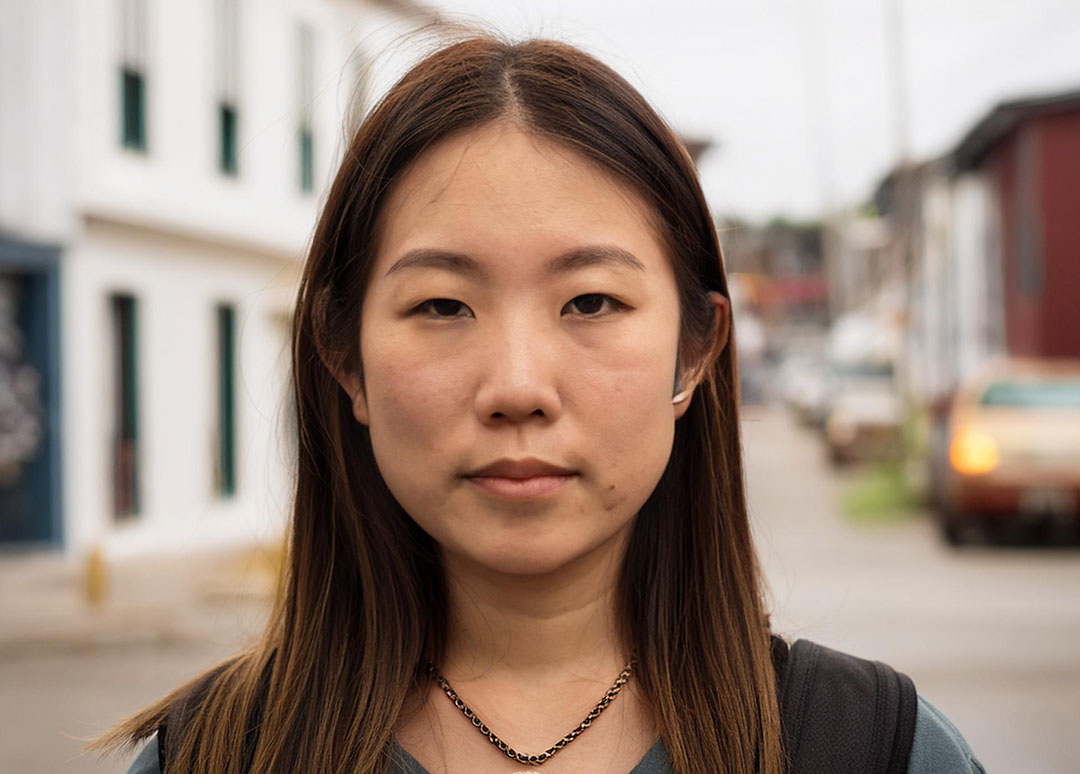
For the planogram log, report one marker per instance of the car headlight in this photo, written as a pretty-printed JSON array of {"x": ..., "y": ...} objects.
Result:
[{"x": 973, "y": 452}]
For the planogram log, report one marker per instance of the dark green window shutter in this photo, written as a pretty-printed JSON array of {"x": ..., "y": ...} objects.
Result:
[
  {"x": 226, "y": 462},
  {"x": 307, "y": 164},
  {"x": 133, "y": 108},
  {"x": 126, "y": 407},
  {"x": 227, "y": 121}
]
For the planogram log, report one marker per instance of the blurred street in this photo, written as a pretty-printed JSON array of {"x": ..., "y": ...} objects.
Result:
[
  {"x": 987, "y": 633},
  {"x": 68, "y": 671}
]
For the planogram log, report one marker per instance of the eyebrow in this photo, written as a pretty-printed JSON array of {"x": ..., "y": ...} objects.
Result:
[{"x": 572, "y": 260}]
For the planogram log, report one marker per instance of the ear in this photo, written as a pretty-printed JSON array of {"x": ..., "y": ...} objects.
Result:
[
  {"x": 721, "y": 330},
  {"x": 353, "y": 386},
  {"x": 349, "y": 380},
  {"x": 335, "y": 360}
]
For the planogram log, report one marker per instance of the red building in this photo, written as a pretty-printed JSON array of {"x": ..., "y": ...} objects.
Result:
[{"x": 1029, "y": 151}]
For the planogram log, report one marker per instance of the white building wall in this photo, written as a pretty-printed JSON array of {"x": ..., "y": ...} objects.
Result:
[
  {"x": 935, "y": 368},
  {"x": 177, "y": 289},
  {"x": 979, "y": 294},
  {"x": 176, "y": 185},
  {"x": 170, "y": 229},
  {"x": 956, "y": 291},
  {"x": 36, "y": 144}
]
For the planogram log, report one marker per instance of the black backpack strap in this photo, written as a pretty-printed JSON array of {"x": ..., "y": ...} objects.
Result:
[{"x": 840, "y": 713}]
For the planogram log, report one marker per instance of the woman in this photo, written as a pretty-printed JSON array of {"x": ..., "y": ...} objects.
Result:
[{"x": 519, "y": 508}]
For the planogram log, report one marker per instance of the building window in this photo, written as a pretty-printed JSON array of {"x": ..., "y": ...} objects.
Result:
[
  {"x": 227, "y": 123},
  {"x": 133, "y": 86},
  {"x": 228, "y": 65},
  {"x": 125, "y": 440},
  {"x": 133, "y": 74},
  {"x": 306, "y": 53},
  {"x": 225, "y": 469},
  {"x": 307, "y": 166}
]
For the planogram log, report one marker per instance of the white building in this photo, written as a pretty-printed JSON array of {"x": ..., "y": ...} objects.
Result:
[
  {"x": 161, "y": 168},
  {"x": 955, "y": 295},
  {"x": 952, "y": 290}
]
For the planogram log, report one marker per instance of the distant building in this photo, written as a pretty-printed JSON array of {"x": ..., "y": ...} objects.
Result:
[
  {"x": 943, "y": 252},
  {"x": 860, "y": 264},
  {"x": 161, "y": 166},
  {"x": 1028, "y": 150},
  {"x": 985, "y": 239},
  {"x": 781, "y": 270}
]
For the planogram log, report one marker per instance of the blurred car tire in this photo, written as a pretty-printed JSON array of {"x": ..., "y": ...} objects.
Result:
[{"x": 953, "y": 530}]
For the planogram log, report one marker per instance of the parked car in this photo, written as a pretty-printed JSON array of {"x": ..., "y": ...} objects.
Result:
[
  {"x": 863, "y": 413},
  {"x": 1014, "y": 449},
  {"x": 804, "y": 384}
]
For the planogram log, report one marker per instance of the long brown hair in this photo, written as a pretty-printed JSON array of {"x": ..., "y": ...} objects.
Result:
[{"x": 362, "y": 603}]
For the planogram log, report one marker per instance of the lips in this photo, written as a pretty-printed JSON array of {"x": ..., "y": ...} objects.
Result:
[
  {"x": 525, "y": 479},
  {"x": 530, "y": 467}
]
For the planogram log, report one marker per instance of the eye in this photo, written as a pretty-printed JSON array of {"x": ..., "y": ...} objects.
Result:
[
  {"x": 443, "y": 308},
  {"x": 592, "y": 304}
]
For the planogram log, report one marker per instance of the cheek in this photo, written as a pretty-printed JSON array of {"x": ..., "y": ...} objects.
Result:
[
  {"x": 410, "y": 397},
  {"x": 631, "y": 374},
  {"x": 628, "y": 415}
]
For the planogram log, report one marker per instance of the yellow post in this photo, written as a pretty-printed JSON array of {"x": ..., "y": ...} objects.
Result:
[{"x": 96, "y": 577}]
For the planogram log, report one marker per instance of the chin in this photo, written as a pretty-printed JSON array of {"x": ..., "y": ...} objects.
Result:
[
  {"x": 527, "y": 563},
  {"x": 538, "y": 555}
]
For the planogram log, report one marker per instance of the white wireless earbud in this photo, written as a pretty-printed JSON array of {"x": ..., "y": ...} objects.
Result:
[{"x": 680, "y": 393}]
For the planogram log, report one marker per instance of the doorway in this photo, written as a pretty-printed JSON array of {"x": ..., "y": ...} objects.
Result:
[{"x": 30, "y": 483}]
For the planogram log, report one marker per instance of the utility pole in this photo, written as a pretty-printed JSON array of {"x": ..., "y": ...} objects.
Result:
[
  {"x": 904, "y": 189},
  {"x": 816, "y": 91},
  {"x": 896, "y": 65},
  {"x": 904, "y": 219},
  {"x": 812, "y": 36}
]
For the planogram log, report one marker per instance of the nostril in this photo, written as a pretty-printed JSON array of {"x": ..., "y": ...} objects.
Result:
[{"x": 533, "y": 413}]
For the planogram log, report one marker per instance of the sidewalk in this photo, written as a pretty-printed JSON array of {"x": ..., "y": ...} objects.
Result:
[{"x": 222, "y": 596}]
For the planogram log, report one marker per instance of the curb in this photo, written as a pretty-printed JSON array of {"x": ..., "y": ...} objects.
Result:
[{"x": 167, "y": 603}]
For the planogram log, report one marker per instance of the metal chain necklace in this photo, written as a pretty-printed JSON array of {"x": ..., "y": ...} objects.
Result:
[{"x": 540, "y": 758}]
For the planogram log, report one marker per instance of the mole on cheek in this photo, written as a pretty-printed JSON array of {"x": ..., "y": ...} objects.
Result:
[{"x": 611, "y": 499}]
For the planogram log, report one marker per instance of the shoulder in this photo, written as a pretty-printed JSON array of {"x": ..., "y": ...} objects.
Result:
[
  {"x": 146, "y": 762},
  {"x": 826, "y": 694},
  {"x": 938, "y": 747},
  {"x": 884, "y": 725}
]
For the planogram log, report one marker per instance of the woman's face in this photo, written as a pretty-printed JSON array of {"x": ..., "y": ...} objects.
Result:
[{"x": 518, "y": 340}]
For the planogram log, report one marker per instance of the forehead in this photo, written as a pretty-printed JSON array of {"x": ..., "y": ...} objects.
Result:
[{"x": 500, "y": 193}]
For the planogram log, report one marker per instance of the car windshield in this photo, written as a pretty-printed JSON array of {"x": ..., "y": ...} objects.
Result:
[
  {"x": 1030, "y": 394},
  {"x": 863, "y": 369}
]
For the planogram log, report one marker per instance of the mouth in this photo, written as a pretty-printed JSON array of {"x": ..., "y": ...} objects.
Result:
[{"x": 521, "y": 479}]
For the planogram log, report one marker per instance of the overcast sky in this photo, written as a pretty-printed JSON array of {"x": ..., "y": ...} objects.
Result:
[{"x": 797, "y": 93}]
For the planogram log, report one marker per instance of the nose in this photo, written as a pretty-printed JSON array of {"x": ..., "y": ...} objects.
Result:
[{"x": 520, "y": 376}]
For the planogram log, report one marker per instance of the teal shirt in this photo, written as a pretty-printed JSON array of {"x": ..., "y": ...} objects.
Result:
[{"x": 938, "y": 748}]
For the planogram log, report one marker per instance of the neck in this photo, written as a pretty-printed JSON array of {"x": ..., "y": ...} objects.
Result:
[{"x": 536, "y": 626}]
